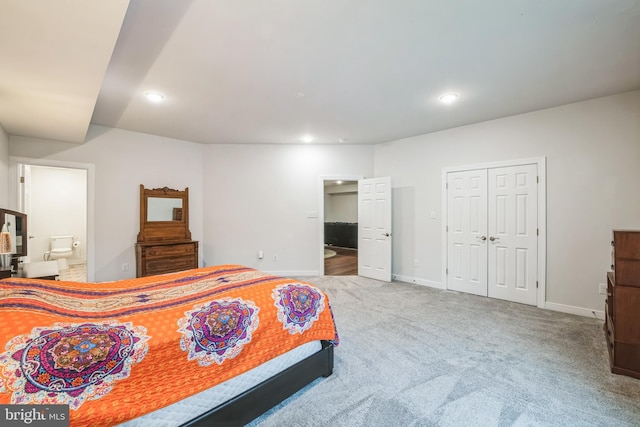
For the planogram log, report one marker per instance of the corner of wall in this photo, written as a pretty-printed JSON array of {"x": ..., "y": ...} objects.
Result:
[{"x": 4, "y": 167}]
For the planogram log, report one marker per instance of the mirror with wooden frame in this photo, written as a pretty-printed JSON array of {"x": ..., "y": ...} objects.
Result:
[
  {"x": 164, "y": 215},
  {"x": 17, "y": 226}
]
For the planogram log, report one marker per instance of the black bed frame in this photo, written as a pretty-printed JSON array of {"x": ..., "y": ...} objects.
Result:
[{"x": 254, "y": 402}]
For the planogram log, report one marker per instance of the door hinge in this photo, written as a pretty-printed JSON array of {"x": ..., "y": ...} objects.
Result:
[
  {"x": 446, "y": 186},
  {"x": 447, "y": 271},
  {"x": 536, "y": 284},
  {"x": 537, "y": 231},
  {"x": 22, "y": 180},
  {"x": 447, "y": 229},
  {"x": 537, "y": 180}
]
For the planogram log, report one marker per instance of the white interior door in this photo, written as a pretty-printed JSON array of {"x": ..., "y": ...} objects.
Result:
[
  {"x": 467, "y": 231},
  {"x": 512, "y": 246},
  {"x": 492, "y": 232},
  {"x": 374, "y": 228}
]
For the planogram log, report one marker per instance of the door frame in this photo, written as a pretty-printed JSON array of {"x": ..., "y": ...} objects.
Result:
[
  {"x": 14, "y": 196},
  {"x": 541, "y": 163},
  {"x": 324, "y": 178}
]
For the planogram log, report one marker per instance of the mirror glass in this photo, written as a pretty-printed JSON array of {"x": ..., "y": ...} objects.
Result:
[{"x": 164, "y": 209}]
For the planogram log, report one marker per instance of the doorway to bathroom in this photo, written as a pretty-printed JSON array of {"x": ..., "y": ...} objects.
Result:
[{"x": 55, "y": 197}]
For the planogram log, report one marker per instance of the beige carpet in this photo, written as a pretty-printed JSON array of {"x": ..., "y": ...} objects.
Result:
[{"x": 416, "y": 356}]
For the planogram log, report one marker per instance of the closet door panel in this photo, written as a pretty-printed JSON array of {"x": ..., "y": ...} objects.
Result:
[
  {"x": 512, "y": 232},
  {"x": 466, "y": 241}
]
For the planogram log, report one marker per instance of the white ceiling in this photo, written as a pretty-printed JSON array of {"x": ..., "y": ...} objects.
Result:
[
  {"x": 53, "y": 58},
  {"x": 370, "y": 71}
]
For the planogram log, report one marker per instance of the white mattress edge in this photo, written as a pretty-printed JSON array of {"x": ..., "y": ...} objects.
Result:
[{"x": 186, "y": 409}]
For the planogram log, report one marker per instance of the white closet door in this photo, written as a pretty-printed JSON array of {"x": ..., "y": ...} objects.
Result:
[
  {"x": 467, "y": 231},
  {"x": 512, "y": 243}
]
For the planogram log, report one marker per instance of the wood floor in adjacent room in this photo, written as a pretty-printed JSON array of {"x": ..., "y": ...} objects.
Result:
[{"x": 344, "y": 263}]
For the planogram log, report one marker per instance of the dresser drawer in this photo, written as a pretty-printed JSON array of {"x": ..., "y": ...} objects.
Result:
[
  {"x": 170, "y": 250},
  {"x": 627, "y": 272},
  {"x": 163, "y": 258},
  {"x": 167, "y": 265},
  {"x": 626, "y": 244}
]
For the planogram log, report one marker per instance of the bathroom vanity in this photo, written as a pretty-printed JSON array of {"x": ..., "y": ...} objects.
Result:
[{"x": 164, "y": 241}]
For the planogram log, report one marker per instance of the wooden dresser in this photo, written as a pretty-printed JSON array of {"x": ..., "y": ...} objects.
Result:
[
  {"x": 165, "y": 257},
  {"x": 622, "y": 321},
  {"x": 164, "y": 241}
]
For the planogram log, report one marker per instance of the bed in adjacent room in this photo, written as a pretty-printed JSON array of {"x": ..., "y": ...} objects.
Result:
[{"x": 211, "y": 346}]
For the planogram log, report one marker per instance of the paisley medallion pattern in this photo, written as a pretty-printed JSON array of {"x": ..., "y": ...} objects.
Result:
[
  {"x": 298, "y": 305},
  {"x": 70, "y": 363},
  {"x": 217, "y": 331}
]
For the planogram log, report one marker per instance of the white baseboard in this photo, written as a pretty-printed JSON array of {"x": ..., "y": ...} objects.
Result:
[
  {"x": 580, "y": 311},
  {"x": 417, "y": 281}
]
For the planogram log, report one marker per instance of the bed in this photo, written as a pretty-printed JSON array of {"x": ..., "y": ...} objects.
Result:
[{"x": 117, "y": 352}]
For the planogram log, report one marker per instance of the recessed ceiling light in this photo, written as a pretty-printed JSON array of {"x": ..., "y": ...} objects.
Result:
[
  {"x": 307, "y": 138},
  {"x": 342, "y": 140},
  {"x": 154, "y": 96},
  {"x": 448, "y": 98}
]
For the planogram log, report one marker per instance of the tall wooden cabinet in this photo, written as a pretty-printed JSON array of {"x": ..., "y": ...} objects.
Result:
[
  {"x": 164, "y": 241},
  {"x": 622, "y": 322}
]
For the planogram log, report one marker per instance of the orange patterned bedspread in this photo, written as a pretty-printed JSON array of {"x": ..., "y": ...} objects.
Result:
[{"x": 116, "y": 350}]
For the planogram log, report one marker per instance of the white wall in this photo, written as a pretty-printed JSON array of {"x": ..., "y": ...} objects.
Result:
[
  {"x": 259, "y": 197},
  {"x": 250, "y": 197},
  {"x": 56, "y": 209},
  {"x": 593, "y": 181},
  {"x": 123, "y": 160},
  {"x": 4, "y": 168},
  {"x": 341, "y": 203}
]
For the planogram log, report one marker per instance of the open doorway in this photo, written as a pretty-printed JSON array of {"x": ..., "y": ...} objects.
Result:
[
  {"x": 56, "y": 196},
  {"x": 55, "y": 201},
  {"x": 340, "y": 246}
]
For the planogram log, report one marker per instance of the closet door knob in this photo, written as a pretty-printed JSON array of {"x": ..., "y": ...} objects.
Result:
[
  {"x": 494, "y": 238},
  {"x": 483, "y": 238}
]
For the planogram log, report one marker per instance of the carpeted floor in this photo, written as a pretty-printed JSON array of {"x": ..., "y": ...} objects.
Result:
[{"x": 415, "y": 356}]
